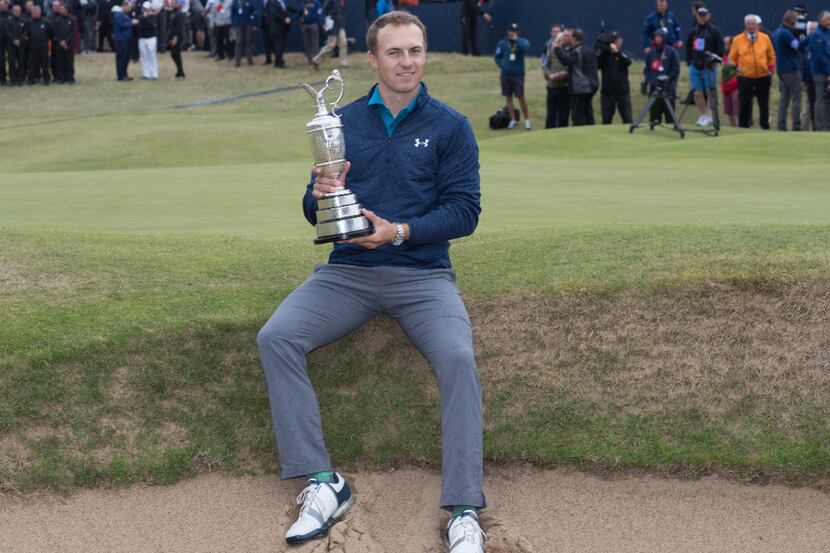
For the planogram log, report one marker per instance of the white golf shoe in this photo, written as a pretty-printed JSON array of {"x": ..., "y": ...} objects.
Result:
[
  {"x": 464, "y": 535},
  {"x": 321, "y": 504}
]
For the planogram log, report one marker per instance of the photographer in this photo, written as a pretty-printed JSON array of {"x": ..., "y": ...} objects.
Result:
[
  {"x": 662, "y": 71},
  {"x": 704, "y": 40},
  {"x": 583, "y": 81},
  {"x": 615, "y": 93},
  {"x": 788, "y": 48},
  {"x": 753, "y": 55}
]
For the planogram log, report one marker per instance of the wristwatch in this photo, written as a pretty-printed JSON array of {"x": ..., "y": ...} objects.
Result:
[{"x": 399, "y": 234}]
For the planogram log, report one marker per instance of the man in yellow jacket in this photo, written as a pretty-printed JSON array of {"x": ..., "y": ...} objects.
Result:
[{"x": 754, "y": 56}]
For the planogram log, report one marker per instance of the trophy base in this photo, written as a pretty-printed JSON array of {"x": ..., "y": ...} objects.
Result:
[{"x": 344, "y": 236}]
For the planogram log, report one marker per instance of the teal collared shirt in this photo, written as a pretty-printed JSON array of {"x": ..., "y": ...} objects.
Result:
[{"x": 386, "y": 116}]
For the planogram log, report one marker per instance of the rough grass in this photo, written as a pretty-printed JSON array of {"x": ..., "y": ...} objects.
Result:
[{"x": 639, "y": 303}]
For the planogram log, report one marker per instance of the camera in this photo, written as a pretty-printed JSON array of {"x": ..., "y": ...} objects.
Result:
[
  {"x": 662, "y": 83},
  {"x": 800, "y": 30},
  {"x": 604, "y": 41},
  {"x": 712, "y": 59}
]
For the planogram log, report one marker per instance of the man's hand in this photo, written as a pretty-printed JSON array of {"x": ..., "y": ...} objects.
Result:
[
  {"x": 385, "y": 232},
  {"x": 174, "y": 41},
  {"x": 326, "y": 185},
  {"x": 488, "y": 18},
  {"x": 64, "y": 45}
]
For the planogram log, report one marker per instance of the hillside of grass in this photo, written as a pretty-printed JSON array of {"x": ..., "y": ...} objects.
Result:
[{"x": 638, "y": 302}]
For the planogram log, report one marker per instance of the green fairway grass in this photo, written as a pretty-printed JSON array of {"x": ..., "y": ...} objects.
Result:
[{"x": 639, "y": 302}]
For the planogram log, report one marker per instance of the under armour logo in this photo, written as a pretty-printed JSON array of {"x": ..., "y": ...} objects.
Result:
[{"x": 424, "y": 143}]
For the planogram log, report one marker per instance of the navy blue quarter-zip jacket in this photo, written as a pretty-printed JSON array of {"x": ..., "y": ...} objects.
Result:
[{"x": 426, "y": 175}]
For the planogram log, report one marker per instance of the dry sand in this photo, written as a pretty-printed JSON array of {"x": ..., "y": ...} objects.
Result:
[{"x": 530, "y": 511}]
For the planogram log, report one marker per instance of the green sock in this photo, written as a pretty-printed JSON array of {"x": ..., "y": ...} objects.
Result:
[
  {"x": 325, "y": 476},
  {"x": 459, "y": 509}
]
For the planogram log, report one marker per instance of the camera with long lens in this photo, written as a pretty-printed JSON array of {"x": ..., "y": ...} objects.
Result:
[{"x": 712, "y": 59}]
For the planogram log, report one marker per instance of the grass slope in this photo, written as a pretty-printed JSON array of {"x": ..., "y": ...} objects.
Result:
[{"x": 639, "y": 302}]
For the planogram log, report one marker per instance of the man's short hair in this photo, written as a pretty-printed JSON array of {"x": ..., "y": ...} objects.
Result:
[
  {"x": 396, "y": 18},
  {"x": 753, "y": 18},
  {"x": 578, "y": 35},
  {"x": 790, "y": 16},
  {"x": 697, "y": 5}
]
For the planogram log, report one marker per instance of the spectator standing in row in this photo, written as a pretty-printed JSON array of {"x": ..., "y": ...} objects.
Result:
[
  {"x": 16, "y": 37},
  {"x": 147, "y": 42},
  {"x": 123, "y": 26},
  {"x": 280, "y": 24},
  {"x": 470, "y": 12},
  {"x": 177, "y": 36},
  {"x": 267, "y": 33},
  {"x": 220, "y": 11},
  {"x": 660, "y": 20},
  {"x": 310, "y": 20},
  {"x": 729, "y": 85},
  {"x": 244, "y": 17},
  {"x": 510, "y": 57},
  {"x": 5, "y": 15},
  {"x": 63, "y": 45},
  {"x": 556, "y": 77},
  {"x": 753, "y": 55},
  {"x": 334, "y": 22},
  {"x": 788, "y": 50},
  {"x": 615, "y": 94},
  {"x": 819, "y": 48},
  {"x": 704, "y": 39},
  {"x": 662, "y": 61},
  {"x": 37, "y": 39},
  {"x": 808, "y": 108},
  {"x": 105, "y": 24},
  {"x": 89, "y": 25},
  {"x": 583, "y": 80}
]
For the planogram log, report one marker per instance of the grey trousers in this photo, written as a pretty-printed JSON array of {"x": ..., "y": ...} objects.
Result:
[
  {"x": 311, "y": 40},
  {"x": 244, "y": 39},
  {"x": 789, "y": 84},
  {"x": 337, "y": 299},
  {"x": 822, "y": 113}
]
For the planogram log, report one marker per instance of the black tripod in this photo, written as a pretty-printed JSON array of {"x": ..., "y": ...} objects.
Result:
[
  {"x": 660, "y": 94},
  {"x": 711, "y": 95}
]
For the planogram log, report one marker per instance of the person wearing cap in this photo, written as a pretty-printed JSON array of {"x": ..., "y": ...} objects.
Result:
[
  {"x": 704, "y": 40},
  {"x": 662, "y": 61},
  {"x": 147, "y": 42},
  {"x": 510, "y": 57},
  {"x": 819, "y": 48},
  {"x": 583, "y": 79},
  {"x": 615, "y": 93},
  {"x": 788, "y": 49},
  {"x": 753, "y": 55},
  {"x": 471, "y": 10},
  {"x": 123, "y": 24}
]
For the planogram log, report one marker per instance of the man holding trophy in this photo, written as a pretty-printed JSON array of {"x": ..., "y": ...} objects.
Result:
[{"x": 413, "y": 165}]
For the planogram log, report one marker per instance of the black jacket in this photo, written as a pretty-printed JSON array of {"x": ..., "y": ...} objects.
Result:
[
  {"x": 146, "y": 27},
  {"x": 614, "y": 69},
  {"x": 38, "y": 33},
  {"x": 276, "y": 15},
  {"x": 712, "y": 42},
  {"x": 16, "y": 30},
  {"x": 331, "y": 8},
  {"x": 63, "y": 29},
  {"x": 4, "y": 17},
  {"x": 470, "y": 8},
  {"x": 178, "y": 24}
]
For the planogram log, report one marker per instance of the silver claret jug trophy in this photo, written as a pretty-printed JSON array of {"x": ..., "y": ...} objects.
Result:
[{"x": 338, "y": 213}]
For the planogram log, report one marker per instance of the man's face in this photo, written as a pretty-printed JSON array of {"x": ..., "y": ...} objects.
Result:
[
  {"x": 555, "y": 30},
  {"x": 36, "y": 12},
  {"x": 400, "y": 57},
  {"x": 751, "y": 26},
  {"x": 4, "y": 6},
  {"x": 703, "y": 19},
  {"x": 56, "y": 7},
  {"x": 29, "y": 6},
  {"x": 567, "y": 38},
  {"x": 658, "y": 40},
  {"x": 16, "y": 10},
  {"x": 825, "y": 21},
  {"x": 512, "y": 35},
  {"x": 619, "y": 43},
  {"x": 662, "y": 6}
]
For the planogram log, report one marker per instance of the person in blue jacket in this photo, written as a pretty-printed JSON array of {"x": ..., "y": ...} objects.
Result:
[
  {"x": 662, "y": 20},
  {"x": 244, "y": 17},
  {"x": 413, "y": 163},
  {"x": 788, "y": 50},
  {"x": 662, "y": 62},
  {"x": 123, "y": 26},
  {"x": 819, "y": 48},
  {"x": 510, "y": 57}
]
